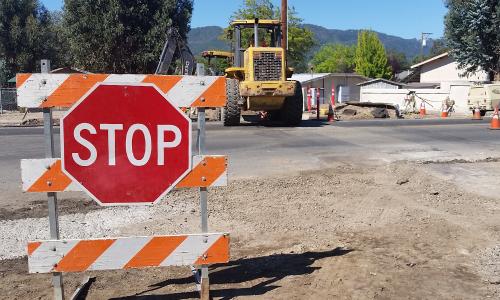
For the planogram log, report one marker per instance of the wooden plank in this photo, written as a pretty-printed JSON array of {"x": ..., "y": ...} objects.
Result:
[
  {"x": 46, "y": 175},
  {"x": 63, "y": 90},
  {"x": 127, "y": 253}
]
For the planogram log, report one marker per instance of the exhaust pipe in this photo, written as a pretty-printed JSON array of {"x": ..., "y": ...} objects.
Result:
[{"x": 256, "y": 32}]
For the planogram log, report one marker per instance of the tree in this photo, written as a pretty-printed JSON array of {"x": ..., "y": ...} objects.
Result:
[
  {"x": 438, "y": 47},
  {"x": 300, "y": 39},
  {"x": 118, "y": 36},
  {"x": 397, "y": 61},
  {"x": 251, "y": 9},
  {"x": 473, "y": 35},
  {"x": 25, "y": 36},
  {"x": 371, "y": 58},
  {"x": 3, "y": 72},
  {"x": 334, "y": 58},
  {"x": 263, "y": 9}
]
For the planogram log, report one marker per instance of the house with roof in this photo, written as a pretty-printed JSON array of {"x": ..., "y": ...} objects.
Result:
[
  {"x": 440, "y": 79},
  {"x": 380, "y": 83},
  {"x": 385, "y": 84},
  {"x": 444, "y": 69}
]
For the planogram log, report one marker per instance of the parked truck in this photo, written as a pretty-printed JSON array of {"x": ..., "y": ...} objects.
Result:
[{"x": 485, "y": 97}]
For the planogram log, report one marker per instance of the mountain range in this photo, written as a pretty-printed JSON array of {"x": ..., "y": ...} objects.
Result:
[{"x": 207, "y": 38}]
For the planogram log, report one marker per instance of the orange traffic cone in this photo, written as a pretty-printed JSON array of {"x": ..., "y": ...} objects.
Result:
[
  {"x": 444, "y": 112},
  {"x": 495, "y": 121},
  {"x": 423, "y": 111},
  {"x": 477, "y": 114}
]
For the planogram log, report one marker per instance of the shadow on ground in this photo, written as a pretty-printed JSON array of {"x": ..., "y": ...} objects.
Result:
[
  {"x": 255, "y": 121},
  {"x": 267, "y": 270}
]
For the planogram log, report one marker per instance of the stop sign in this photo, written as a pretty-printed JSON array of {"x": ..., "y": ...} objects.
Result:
[{"x": 125, "y": 144}]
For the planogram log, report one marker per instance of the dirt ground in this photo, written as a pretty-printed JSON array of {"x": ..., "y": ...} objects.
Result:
[{"x": 349, "y": 232}]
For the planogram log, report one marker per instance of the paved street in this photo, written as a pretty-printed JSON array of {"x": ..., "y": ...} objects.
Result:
[
  {"x": 264, "y": 151},
  {"x": 312, "y": 147}
]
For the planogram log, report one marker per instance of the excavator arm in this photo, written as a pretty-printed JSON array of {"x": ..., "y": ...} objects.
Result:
[{"x": 176, "y": 48}]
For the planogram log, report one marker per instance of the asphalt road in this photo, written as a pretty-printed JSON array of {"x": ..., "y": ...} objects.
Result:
[{"x": 272, "y": 150}]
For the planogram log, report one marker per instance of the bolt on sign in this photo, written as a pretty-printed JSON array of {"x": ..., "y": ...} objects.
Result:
[{"x": 124, "y": 141}]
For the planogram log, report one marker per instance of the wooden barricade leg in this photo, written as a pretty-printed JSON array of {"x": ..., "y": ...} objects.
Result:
[{"x": 205, "y": 289}]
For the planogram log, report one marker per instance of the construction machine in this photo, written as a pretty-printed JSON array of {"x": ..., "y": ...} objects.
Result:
[
  {"x": 175, "y": 48},
  {"x": 212, "y": 55},
  {"x": 257, "y": 79}
]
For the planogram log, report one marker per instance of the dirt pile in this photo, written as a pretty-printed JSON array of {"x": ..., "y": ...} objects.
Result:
[{"x": 360, "y": 111}]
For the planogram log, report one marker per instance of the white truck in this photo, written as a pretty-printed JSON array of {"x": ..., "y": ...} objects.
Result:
[{"x": 485, "y": 97}]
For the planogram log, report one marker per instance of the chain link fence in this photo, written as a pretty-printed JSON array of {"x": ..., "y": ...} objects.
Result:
[{"x": 8, "y": 100}]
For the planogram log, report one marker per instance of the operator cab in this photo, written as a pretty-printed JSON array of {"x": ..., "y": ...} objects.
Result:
[{"x": 265, "y": 33}]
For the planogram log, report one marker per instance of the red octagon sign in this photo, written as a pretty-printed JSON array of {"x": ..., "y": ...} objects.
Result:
[{"x": 125, "y": 144}]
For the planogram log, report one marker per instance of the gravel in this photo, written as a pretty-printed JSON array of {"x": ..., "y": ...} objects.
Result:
[
  {"x": 488, "y": 264},
  {"x": 108, "y": 222}
]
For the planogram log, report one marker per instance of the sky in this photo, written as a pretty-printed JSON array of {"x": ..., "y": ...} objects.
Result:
[{"x": 404, "y": 18}]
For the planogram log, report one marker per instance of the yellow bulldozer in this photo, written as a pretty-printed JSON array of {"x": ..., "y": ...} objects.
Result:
[{"x": 257, "y": 78}]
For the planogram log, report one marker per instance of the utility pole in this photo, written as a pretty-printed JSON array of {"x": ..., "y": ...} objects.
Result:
[
  {"x": 284, "y": 24},
  {"x": 423, "y": 43}
]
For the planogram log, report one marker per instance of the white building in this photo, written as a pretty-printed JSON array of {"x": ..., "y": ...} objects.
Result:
[
  {"x": 443, "y": 69},
  {"x": 440, "y": 78},
  {"x": 345, "y": 86},
  {"x": 380, "y": 83}
]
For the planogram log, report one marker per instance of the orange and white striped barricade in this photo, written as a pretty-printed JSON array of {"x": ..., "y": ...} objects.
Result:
[
  {"x": 48, "y": 175},
  {"x": 45, "y": 175},
  {"x": 127, "y": 253},
  {"x": 63, "y": 90}
]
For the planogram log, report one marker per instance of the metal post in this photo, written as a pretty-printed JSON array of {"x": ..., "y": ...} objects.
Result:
[
  {"x": 238, "y": 59},
  {"x": 423, "y": 43},
  {"x": 317, "y": 103},
  {"x": 256, "y": 33},
  {"x": 309, "y": 98},
  {"x": 205, "y": 286},
  {"x": 284, "y": 25},
  {"x": 204, "y": 280},
  {"x": 1, "y": 104},
  {"x": 48, "y": 131},
  {"x": 45, "y": 66}
]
